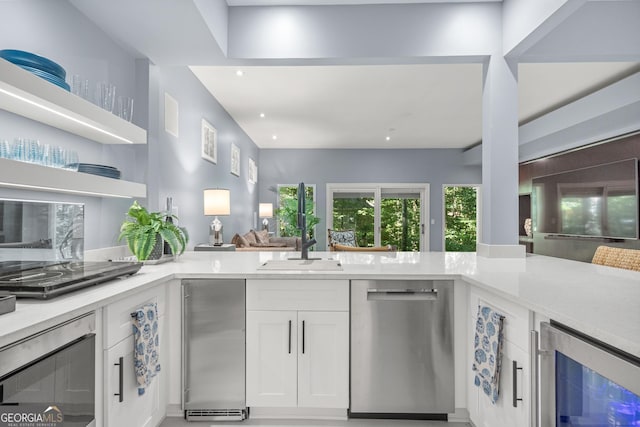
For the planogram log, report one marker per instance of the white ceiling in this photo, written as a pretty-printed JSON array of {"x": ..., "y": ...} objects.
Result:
[
  {"x": 357, "y": 106},
  {"x": 417, "y": 106}
]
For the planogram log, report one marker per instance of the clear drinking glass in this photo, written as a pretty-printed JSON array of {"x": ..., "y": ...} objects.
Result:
[
  {"x": 5, "y": 149},
  {"x": 57, "y": 157},
  {"x": 71, "y": 160},
  {"x": 80, "y": 86},
  {"x": 33, "y": 151},
  {"x": 17, "y": 150},
  {"x": 125, "y": 108},
  {"x": 46, "y": 155},
  {"x": 106, "y": 96}
]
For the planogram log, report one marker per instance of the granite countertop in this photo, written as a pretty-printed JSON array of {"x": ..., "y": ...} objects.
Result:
[{"x": 603, "y": 302}]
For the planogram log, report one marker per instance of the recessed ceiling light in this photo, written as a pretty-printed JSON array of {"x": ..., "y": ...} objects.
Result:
[
  {"x": 239, "y": 73},
  {"x": 274, "y": 137},
  {"x": 262, "y": 115},
  {"x": 388, "y": 138}
]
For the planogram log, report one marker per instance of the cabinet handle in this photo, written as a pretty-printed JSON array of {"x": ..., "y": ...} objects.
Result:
[
  {"x": 289, "y": 336},
  {"x": 514, "y": 365},
  {"x": 120, "y": 366},
  {"x": 303, "y": 337}
]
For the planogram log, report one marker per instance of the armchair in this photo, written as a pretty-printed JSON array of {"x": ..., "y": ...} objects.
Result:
[{"x": 345, "y": 241}]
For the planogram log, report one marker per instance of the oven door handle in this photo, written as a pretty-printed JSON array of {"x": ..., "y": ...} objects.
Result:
[
  {"x": 120, "y": 366},
  {"x": 402, "y": 294}
]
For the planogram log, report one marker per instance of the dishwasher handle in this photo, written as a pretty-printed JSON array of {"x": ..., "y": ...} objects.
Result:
[{"x": 402, "y": 294}]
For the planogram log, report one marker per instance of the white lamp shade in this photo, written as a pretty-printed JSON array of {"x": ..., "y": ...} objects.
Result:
[
  {"x": 217, "y": 201},
  {"x": 265, "y": 210}
]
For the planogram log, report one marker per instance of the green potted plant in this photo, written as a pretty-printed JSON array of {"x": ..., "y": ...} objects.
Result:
[{"x": 145, "y": 231}]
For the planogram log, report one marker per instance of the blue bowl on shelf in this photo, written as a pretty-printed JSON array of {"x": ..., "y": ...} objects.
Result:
[
  {"x": 48, "y": 77},
  {"x": 20, "y": 57}
]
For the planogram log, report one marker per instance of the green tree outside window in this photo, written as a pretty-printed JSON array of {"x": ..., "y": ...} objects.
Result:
[{"x": 460, "y": 219}]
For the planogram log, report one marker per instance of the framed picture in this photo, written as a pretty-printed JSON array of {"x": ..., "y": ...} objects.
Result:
[
  {"x": 209, "y": 142},
  {"x": 253, "y": 171},
  {"x": 235, "y": 160}
]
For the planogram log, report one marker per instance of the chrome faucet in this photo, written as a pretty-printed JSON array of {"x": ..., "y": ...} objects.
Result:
[{"x": 302, "y": 223}]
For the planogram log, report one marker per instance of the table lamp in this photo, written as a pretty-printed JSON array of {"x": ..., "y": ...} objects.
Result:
[
  {"x": 265, "y": 210},
  {"x": 217, "y": 201}
]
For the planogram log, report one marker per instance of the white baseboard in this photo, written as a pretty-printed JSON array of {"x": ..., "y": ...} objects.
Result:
[
  {"x": 298, "y": 413},
  {"x": 500, "y": 251}
]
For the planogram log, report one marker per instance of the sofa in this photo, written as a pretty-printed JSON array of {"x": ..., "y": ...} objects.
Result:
[{"x": 261, "y": 241}]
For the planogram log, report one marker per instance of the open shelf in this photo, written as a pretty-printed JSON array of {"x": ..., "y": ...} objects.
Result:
[
  {"x": 14, "y": 174},
  {"x": 30, "y": 96}
]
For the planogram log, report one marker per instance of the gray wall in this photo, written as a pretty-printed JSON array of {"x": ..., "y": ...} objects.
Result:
[
  {"x": 176, "y": 168},
  {"x": 434, "y": 166}
]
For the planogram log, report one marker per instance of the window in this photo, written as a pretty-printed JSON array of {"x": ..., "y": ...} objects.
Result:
[
  {"x": 461, "y": 222},
  {"x": 287, "y": 211},
  {"x": 380, "y": 214}
]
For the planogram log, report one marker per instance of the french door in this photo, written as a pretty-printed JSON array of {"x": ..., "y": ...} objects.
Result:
[{"x": 381, "y": 214}]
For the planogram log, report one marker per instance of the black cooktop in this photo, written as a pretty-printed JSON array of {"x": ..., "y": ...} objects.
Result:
[{"x": 48, "y": 279}]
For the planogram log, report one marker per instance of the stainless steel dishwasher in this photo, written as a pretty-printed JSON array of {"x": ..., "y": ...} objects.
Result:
[
  {"x": 402, "y": 363},
  {"x": 213, "y": 349}
]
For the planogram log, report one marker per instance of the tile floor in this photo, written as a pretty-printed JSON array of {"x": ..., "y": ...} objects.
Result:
[{"x": 179, "y": 422}]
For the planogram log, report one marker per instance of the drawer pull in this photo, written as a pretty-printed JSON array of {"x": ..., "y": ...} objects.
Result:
[
  {"x": 120, "y": 366},
  {"x": 515, "y": 370}
]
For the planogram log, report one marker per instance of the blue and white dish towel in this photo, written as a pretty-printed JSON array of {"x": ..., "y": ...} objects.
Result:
[
  {"x": 146, "y": 343},
  {"x": 487, "y": 355}
]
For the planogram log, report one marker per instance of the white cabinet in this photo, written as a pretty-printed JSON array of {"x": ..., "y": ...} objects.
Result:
[
  {"x": 123, "y": 406},
  {"x": 298, "y": 343},
  {"x": 516, "y": 326}
]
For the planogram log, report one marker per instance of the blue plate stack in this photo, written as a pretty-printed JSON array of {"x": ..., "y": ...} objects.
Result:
[
  {"x": 37, "y": 65},
  {"x": 106, "y": 171}
]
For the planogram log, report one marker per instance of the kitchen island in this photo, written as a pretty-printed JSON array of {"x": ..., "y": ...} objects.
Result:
[{"x": 598, "y": 301}]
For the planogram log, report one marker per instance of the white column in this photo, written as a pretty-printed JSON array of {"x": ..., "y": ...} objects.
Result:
[{"x": 499, "y": 204}]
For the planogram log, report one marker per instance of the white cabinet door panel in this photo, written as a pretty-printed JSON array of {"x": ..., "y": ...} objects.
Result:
[
  {"x": 134, "y": 410},
  {"x": 271, "y": 358},
  {"x": 323, "y": 359},
  {"x": 503, "y": 413}
]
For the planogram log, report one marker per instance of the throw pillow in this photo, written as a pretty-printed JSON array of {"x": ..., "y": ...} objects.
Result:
[
  {"x": 345, "y": 237},
  {"x": 239, "y": 241},
  {"x": 262, "y": 236},
  {"x": 250, "y": 236}
]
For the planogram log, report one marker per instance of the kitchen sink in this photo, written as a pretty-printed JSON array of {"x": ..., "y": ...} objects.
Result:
[{"x": 302, "y": 265}]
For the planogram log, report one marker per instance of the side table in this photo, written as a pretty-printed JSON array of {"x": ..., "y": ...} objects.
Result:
[{"x": 207, "y": 247}]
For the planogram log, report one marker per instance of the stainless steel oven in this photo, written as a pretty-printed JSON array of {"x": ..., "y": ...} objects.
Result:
[
  {"x": 584, "y": 382},
  {"x": 50, "y": 376}
]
